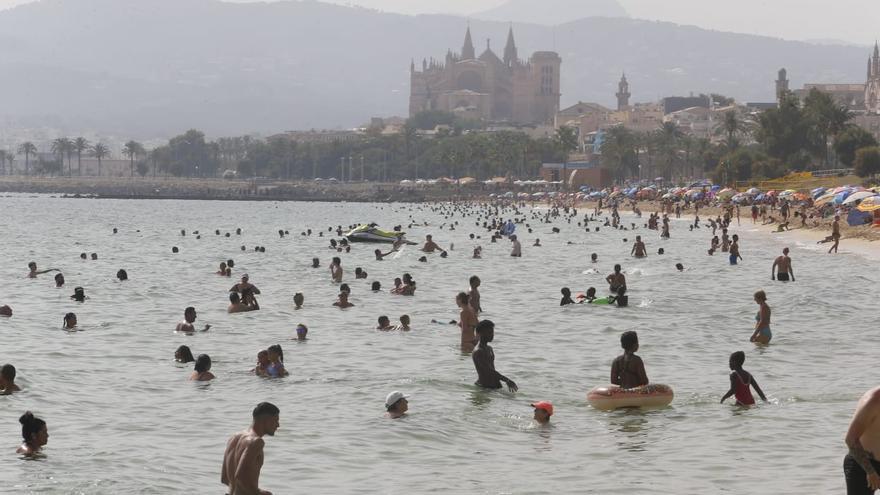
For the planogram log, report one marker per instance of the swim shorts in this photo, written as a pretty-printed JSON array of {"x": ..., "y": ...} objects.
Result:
[
  {"x": 782, "y": 277},
  {"x": 856, "y": 478},
  {"x": 732, "y": 259}
]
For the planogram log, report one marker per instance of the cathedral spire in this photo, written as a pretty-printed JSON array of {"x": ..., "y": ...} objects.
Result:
[
  {"x": 467, "y": 51},
  {"x": 510, "y": 55},
  {"x": 622, "y": 94}
]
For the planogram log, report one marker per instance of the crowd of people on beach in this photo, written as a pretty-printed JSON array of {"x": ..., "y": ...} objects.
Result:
[{"x": 243, "y": 457}]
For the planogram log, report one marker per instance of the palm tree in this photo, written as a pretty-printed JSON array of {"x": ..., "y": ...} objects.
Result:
[
  {"x": 80, "y": 144},
  {"x": 132, "y": 149},
  {"x": 100, "y": 151},
  {"x": 10, "y": 157},
  {"x": 669, "y": 138},
  {"x": 28, "y": 148},
  {"x": 61, "y": 146},
  {"x": 3, "y": 160}
]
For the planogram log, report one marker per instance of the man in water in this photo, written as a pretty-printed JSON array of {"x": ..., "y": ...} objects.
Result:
[
  {"x": 32, "y": 267},
  {"x": 430, "y": 246},
  {"x": 616, "y": 280},
  {"x": 7, "y": 380},
  {"x": 245, "y": 285},
  {"x": 516, "y": 252},
  {"x": 244, "y": 453},
  {"x": 860, "y": 465},
  {"x": 189, "y": 317},
  {"x": 638, "y": 249},
  {"x": 734, "y": 250},
  {"x": 484, "y": 360},
  {"x": 783, "y": 265},
  {"x": 474, "y": 294},
  {"x": 396, "y": 405}
]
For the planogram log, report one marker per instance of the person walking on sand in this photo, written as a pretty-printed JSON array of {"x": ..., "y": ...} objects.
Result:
[
  {"x": 782, "y": 269},
  {"x": 835, "y": 234},
  {"x": 243, "y": 458}
]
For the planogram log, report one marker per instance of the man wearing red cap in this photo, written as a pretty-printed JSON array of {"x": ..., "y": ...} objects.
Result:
[{"x": 543, "y": 411}]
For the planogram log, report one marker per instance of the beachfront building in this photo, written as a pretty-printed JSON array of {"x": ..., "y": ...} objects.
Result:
[
  {"x": 487, "y": 86},
  {"x": 856, "y": 97}
]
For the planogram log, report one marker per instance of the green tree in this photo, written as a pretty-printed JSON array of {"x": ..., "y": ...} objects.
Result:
[
  {"x": 428, "y": 120},
  {"x": 79, "y": 145},
  {"x": 100, "y": 151},
  {"x": 735, "y": 129},
  {"x": 620, "y": 152},
  {"x": 142, "y": 168},
  {"x": 27, "y": 148},
  {"x": 785, "y": 133},
  {"x": 132, "y": 150},
  {"x": 826, "y": 118},
  {"x": 61, "y": 146},
  {"x": 668, "y": 138},
  {"x": 849, "y": 141},
  {"x": 867, "y": 161}
]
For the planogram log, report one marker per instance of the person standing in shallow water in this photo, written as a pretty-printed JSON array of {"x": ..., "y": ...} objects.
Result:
[
  {"x": 467, "y": 321},
  {"x": 740, "y": 381},
  {"x": 243, "y": 458},
  {"x": 484, "y": 360},
  {"x": 628, "y": 370},
  {"x": 762, "y": 334},
  {"x": 782, "y": 264}
]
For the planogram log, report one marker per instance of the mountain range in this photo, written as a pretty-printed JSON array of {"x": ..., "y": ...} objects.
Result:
[
  {"x": 155, "y": 68},
  {"x": 552, "y": 12}
]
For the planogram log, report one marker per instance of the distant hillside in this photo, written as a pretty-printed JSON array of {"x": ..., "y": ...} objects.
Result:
[
  {"x": 152, "y": 68},
  {"x": 552, "y": 12}
]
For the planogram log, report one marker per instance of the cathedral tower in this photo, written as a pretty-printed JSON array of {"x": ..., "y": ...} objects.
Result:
[
  {"x": 781, "y": 84},
  {"x": 622, "y": 94},
  {"x": 467, "y": 50}
]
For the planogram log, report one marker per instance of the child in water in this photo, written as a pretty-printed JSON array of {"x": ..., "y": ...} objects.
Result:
[
  {"x": 275, "y": 369},
  {"x": 566, "y": 297},
  {"x": 628, "y": 370},
  {"x": 740, "y": 380}
]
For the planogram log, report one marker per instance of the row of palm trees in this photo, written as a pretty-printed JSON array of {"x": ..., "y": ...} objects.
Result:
[{"x": 68, "y": 147}]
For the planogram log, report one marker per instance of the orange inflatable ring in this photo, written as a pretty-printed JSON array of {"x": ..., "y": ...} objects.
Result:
[{"x": 611, "y": 397}]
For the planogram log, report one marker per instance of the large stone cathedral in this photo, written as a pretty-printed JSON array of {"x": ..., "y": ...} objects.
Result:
[{"x": 487, "y": 86}]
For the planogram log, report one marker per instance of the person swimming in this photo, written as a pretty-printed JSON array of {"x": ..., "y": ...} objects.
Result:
[
  {"x": 262, "y": 363},
  {"x": 122, "y": 275},
  {"x": 183, "y": 354},
  {"x": 202, "y": 370},
  {"x": 404, "y": 324},
  {"x": 79, "y": 294},
  {"x": 7, "y": 380},
  {"x": 59, "y": 280},
  {"x": 298, "y": 300},
  {"x": 628, "y": 370},
  {"x": 189, "y": 317},
  {"x": 275, "y": 369},
  {"x": 740, "y": 380},
  {"x": 566, "y": 297},
  {"x": 342, "y": 301},
  {"x": 302, "y": 332},
  {"x": 69, "y": 321},
  {"x": 35, "y": 434},
  {"x": 384, "y": 324}
]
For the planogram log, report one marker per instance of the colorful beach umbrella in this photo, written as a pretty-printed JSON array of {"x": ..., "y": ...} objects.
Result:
[
  {"x": 870, "y": 204},
  {"x": 856, "y": 196}
]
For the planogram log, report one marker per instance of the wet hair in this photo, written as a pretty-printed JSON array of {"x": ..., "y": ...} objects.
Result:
[
  {"x": 629, "y": 340},
  {"x": 679, "y": 266},
  {"x": 617, "y": 268},
  {"x": 485, "y": 326},
  {"x": 8, "y": 372},
  {"x": 463, "y": 297},
  {"x": 404, "y": 319},
  {"x": 234, "y": 298},
  {"x": 230, "y": 263},
  {"x": 122, "y": 274},
  {"x": 591, "y": 292},
  {"x": 83, "y": 256},
  {"x": 376, "y": 286},
  {"x": 68, "y": 317},
  {"x": 302, "y": 330},
  {"x": 761, "y": 296},
  {"x": 423, "y": 259},
  {"x": 185, "y": 354},
  {"x": 337, "y": 260},
  {"x": 59, "y": 278},
  {"x": 345, "y": 288},
  {"x": 473, "y": 279},
  {"x": 32, "y": 264},
  {"x": 188, "y": 309},
  {"x": 384, "y": 321},
  {"x": 358, "y": 270},
  {"x": 738, "y": 358},
  {"x": 174, "y": 249},
  {"x": 277, "y": 350},
  {"x": 30, "y": 426},
  {"x": 94, "y": 256},
  {"x": 79, "y": 294},
  {"x": 298, "y": 297},
  {"x": 565, "y": 291},
  {"x": 203, "y": 363},
  {"x": 316, "y": 262},
  {"x": 660, "y": 251},
  {"x": 264, "y": 409},
  {"x": 594, "y": 256}
]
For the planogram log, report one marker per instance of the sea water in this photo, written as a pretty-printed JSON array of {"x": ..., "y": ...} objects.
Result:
[{"x": 123, "y": 417}]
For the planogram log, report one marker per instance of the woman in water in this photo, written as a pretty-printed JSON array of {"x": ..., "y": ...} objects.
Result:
[
  {"x": 301, "y": 332},
  {"x": 275, "y": 369},
  {"x": 262, "y": 363},
  {"x": 35, "y": 434},
  {"x": 628, "y": 370},
  {"x": 740, "y": 380},
  {"x": 762, "y": 334},
  {"x": 183, "y": 355},
  {"x": 202, "y": 371},
  {"x": 69, "y": 321},
  {"x": 467, "y": 322}
]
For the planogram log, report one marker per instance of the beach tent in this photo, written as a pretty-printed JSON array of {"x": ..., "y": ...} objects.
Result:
[
  {"x": 819, "y": 191},
  {"x": 856, "y": 217},
  {"x": 840, "y": 197},
  {"x": 826, "y": 198}
]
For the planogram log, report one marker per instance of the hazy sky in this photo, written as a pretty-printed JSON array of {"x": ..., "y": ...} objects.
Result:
[{"x": 855, "y": 21}]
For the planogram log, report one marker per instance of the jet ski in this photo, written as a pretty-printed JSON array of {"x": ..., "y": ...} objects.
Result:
[{"x": 369, "y": 233}]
